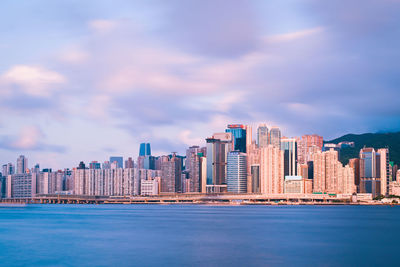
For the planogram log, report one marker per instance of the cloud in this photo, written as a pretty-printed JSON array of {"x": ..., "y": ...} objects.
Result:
[
  {"x": 74, "y": 56},
  {"x": 214, "y": 28},
  {"x": 32, "y": 80},
  {"x": 30, "y": 138},
  {"x": 102, "y": 26},
  {"x": 291, "y": 36},
  {"x": 176, "y": 73}
]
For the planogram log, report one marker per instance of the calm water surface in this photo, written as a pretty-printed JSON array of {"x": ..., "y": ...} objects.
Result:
[{"x": 186, "y": 235}]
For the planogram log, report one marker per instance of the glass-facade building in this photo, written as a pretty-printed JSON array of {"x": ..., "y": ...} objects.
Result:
[
  {"x": 289, "y": 147},
  {"x": 237, "y": 172},
  {"x": 262, "y": 136},
  {"x": 144, "y": 149},
  {"x": 238, "y": 132},
  {"x": 275, "y": 137},
  {"x": 119, "y": 160}
]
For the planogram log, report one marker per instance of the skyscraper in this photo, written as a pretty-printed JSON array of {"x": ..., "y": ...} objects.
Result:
[
  {"x": 118, "y": 160},
  {"x": 289, "y": 147},
  {"x": 275, "y": 137},
  {"x": 94, "y": 165},
  {"x": 262, "y": 135},
  {"x": 384, "y": 170},
  {"x": 22, "y": 164},
  {"x": 171, "y": 175},
  {"x": 8, "y": 169},
  {"x": 271, "y": 170},
  {"x": 253, "y": 168},
  {"x": 237, "y": 172},
  {"x": 239, "y": 138},
  {"x": 218, "y": 147},
  {"x": 129, "y": 163},
  {"x": 308, "y": 145},
  {"x": 193, "y": 167},
  {"x": 144, "y": 149}
]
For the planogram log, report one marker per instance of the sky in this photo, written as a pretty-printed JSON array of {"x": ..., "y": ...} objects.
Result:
[{"x": 86, "y": 80}]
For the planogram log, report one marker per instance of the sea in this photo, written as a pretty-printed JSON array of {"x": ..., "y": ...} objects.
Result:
[{"x": 199, "y": 235}]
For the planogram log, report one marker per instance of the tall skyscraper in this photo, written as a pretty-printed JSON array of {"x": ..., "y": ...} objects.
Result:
[
  {"x": 118, "y": 160},
  {"x": 355, "y": 165},
  {"x": 253, "y": 168},
  {"x": 22, "y": 164},
  {"x": 193, "y": 161},
  {"x": 237, "y": 172},
  {"x": 370, "y": 180},
  {"x": 271, "y": 170},
  {"x": 8, "y": 169},
  {"x": 384, "y": 167},
  {"x": 239, "y": 138},
  {"x": 289, "y": 148},
  {"x": 145, "y": 149},
  {"x": 171, "y": 175},
  {"x": 218, "y": 147},
  {"x": 262, "y": 135},
  {"x": 275, "y": 137}
]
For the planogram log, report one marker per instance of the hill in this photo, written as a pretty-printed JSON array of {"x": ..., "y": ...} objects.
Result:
[{"x": 375, "y": 140}]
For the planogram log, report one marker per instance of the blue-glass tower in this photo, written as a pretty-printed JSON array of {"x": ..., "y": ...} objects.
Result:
[
  {"x": 238, "y": 132},
  {"x": 144, "y": 149}
]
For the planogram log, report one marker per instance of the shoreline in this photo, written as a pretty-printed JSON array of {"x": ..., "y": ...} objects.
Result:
[{"x": 6, "y": 204}]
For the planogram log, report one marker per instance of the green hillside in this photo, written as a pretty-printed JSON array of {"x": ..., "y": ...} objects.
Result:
[{"x": 375, "y": 140}]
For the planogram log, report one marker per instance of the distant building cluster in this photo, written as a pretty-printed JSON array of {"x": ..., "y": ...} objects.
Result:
[{"x": 231, "y": 162}]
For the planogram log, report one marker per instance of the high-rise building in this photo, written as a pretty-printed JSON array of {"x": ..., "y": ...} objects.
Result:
[
  {"x": 193, "y": 156},
  {"x": 94, "y": 165},
  {"x": 370, "y": 181},
  {"x": 118, "y": 160},
  {"x": 218, "y": 147},
  {"x": 20, "y": 186},
  {"x": 289, "y": 148},
  {"x": 355, "y": 165},
  {"x": 8, "y": 169},
  {"x": 171, "y": 175},
  {"x": 239, "y": 139},
  {"x": 271, "y": 170},
  {"x": 129, "y": 163},
  {"x": 275, "y": 137},
  {"x": 22, "y": 164},
  {"x": 237, "y": 172},
  {"x": 307, "y": 146},
  {"x": 146, "y": 162},
  {"x": 330, "y": 176},
  {"x": 203, "y": 174},
  {"x": 255, "y": 178},
  {"x": 384, "y": 170},
  {"x": 145, "y": 149},
  {"x": 262, "y": 135},
  {"x": 253, "y": 168},
  {"x": 80, "y": 176}
]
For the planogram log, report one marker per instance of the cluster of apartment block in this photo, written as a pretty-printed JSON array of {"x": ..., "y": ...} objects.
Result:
[{"x": 231, "y": 162}]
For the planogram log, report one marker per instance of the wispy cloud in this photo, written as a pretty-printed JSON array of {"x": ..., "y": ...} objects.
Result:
[{"x": 32, "y": 80}]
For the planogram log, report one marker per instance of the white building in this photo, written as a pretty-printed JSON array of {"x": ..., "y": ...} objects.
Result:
[{"x": 149, "y": 187}]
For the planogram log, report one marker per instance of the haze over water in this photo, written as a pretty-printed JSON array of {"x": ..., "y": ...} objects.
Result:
[{"x": 188, "y": 235}]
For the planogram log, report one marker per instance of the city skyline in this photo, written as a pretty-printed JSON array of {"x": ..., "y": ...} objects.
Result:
[{"x": 96, "y": 79}]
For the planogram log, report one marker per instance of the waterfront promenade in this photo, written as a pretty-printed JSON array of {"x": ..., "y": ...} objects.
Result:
[{"x": 229, "y": 199}]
